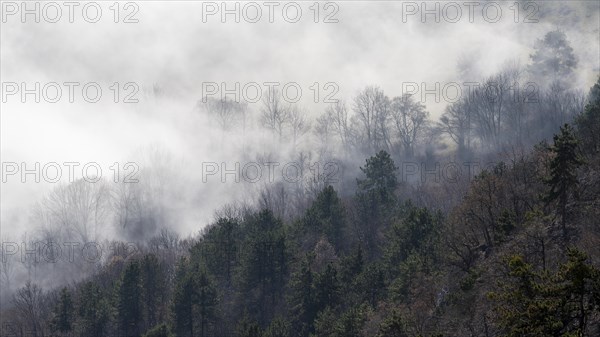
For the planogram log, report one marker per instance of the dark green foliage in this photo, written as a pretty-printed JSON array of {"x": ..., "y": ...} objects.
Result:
[
  {"x": 393, "y": 326},
  {"x": 588, "y": 123},
  {"x": 161, "y": 330},
  {"x": 279, "y": 327},
  {"x": 129, "y": 301},
  {"x": 263, "y": 265},
  {"x": 416, "y": 232},
  {"x": 350, "y": 323},
  {"x": 376, "y": 198},
  {"x": 327, "y": 288},
  {"x": 220, "y": 248},
  {"x": 371, "y": 284},
  {"x": 206, "y": 299},
  {"x": 382, "y": 267},
  {"x": 536, "y": 303},
  {"x": 562, "y": 181},
  {"x": 183, "y": 301},
  {"x": 153, "y": 288},
  {"x": 93, "y": 311},
  {"x": 62, "y": 320},
  {"x": 194, "y": 300},
  {"x": 381, "y": 181},
  {"x": 326, "y": 216},
  {"x": 302, "y": 298},
  {"x": 248, "y": 327}
]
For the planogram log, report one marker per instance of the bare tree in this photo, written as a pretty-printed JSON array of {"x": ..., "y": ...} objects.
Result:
[
  {"x": 338, "y": 115},
  {"x": 410, "y": 119},
  {"x": 80, "y": 208},
  {"x": 298, "y": 123},
  {"x": 371, "y": 108},
  {"x": 275, "y": 115},
  {"x": 7, "y": 263},
  {"x": 456, "y": 123},
  {"x": 29, "y": 302},
  {"x": 323, "y": 131},
  {"x": 227, "y": 113}
]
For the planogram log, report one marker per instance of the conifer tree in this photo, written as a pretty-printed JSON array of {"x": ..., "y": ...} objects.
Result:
[{"x": 562, "y": 181}]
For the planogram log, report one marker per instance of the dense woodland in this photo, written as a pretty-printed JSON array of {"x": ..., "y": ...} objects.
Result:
[{"x": 511, "y": 250}]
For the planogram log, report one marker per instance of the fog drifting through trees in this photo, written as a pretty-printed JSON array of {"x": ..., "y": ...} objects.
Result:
[{"x": 358, "y": 188}]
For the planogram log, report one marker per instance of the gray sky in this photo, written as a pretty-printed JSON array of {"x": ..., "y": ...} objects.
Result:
[{"x": 173, "y": 48}]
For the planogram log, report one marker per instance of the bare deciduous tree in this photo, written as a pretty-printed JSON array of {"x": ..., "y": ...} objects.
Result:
[
  {"x": 410, "y": 119},
  {"x": 80, "y": 208},
  {"x": 275, "y": 114},
  {"x": 371, "y": 107},
  {"x": 227, "y": 113},
  {"x": 456, "y": 123},
  {"x": 29, "y": 302},
  {"x": 298, "y": 123}
]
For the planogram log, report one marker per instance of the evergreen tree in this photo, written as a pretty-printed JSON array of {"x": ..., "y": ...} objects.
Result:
[
  {"x": 279, "y": 327},
  {"x": 381, "y": 181},
  {"x": 219, "y": 249},
  {"x": 553, "y": 58},
  {"x": 161, "y": 330},
  {"x": 63, "y": 313},
  {"x": 153, "y": 288},
  {"x": 183, "y": 301},
  {"x": 350, "y": 324},
  {"x": 263, "y": 266},
  {"x": 302, "y": 298},
  {"x": 416, "y": 232},
  {"x": 327, "y": 288},
  {"x": 376, "y": 198},
  {"x": 393, "y": 326},
  {"x": 326, "y": 216},
  {"x": 206, "y": 299},
  {"x": 534, "y": 303},
  {"x": 588, "y": 123},
  {"x": 563, "y": 176},
  {"x": 371, "y": 284},
  {"x": 93, "y": 311},
  {"x": 129, "y": 300},
  {"x": 248, "y": 327}
]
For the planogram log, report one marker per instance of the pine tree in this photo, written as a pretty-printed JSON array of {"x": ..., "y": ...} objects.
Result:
[
  {"x": 263, "y": 267},
  {"x": 532, "y": 303},
  {"x": 326, "y": 216},
  {"x": 183, "y": 301},
  {"x": 206, "y": 299},
  {"x": 381, "y": 181},
  {"x": 302, "y": 298},
  {"x": 393, "y": 326},
  {"x": 553, "y": 58},
  {"x": 279, "y": 327},
  {"x": 129, "y": 300},
  {"x": 376, "y": 198},
  {"x": 161, "y": 330},
  {"x": 153, "y": 288},
  {"x": 248, "y": 327},
  {"x": 350, "y": 323},
  {"x": 93, "y": 310},
  {"x": 219, "y": 249},
  {"x": 563, "y": 175},
  {"x": 327, "y": 288},
  {"x": 63, "y": 313},
  {"x": 588, "y": 123}
]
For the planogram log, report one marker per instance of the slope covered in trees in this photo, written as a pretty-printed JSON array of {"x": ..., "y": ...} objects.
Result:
[{"x": 397, "y": 247}]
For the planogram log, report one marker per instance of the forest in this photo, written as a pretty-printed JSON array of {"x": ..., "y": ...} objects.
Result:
[{"x": 483, "y": 222}]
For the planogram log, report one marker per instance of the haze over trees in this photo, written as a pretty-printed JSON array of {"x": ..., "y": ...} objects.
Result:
[{"x": 481, "y": 223}]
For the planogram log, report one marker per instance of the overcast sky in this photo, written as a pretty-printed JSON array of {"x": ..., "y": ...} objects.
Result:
[{"x": 171, "y": 47}]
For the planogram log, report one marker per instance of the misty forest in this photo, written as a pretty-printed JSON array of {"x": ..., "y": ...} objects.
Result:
[{"x": 482, "y": 220}]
